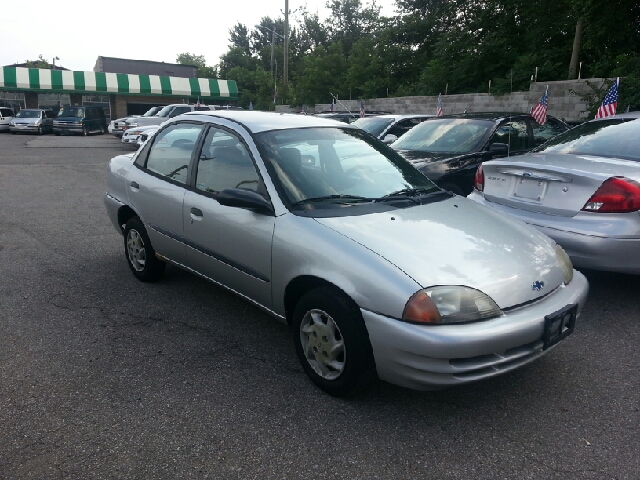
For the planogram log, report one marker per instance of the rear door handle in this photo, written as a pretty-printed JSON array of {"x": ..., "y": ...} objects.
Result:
[
  {"x": 196, "y": 214},
  {"x": 135, "y": 185}
]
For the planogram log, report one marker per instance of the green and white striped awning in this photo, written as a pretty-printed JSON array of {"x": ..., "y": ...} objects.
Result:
[{"x": 67, "y": 81}]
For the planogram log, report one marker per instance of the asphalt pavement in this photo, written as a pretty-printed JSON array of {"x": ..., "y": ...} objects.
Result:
[{"x": 102, "y": 376}]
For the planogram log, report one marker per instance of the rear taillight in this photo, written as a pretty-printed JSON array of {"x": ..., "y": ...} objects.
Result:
[
  {"x": 478, "y": 181},
  {"x": 615, "y": 195}
]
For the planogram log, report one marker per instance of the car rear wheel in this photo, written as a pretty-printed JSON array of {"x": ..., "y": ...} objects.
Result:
[
  {"x": 140, "y": 254},
  {"x": 332, "y": 342}
]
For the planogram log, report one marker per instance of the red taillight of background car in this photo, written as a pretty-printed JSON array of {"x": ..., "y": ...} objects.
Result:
[
  {"x": 478, "y": 181},
  {"x": 615, "y": 195}
]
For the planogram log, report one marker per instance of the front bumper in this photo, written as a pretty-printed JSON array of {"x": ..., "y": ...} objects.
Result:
[
  {"x": 24, "y": 127},
  {"x": 437, "y": 356},
  {"x": 67, "y": 129}
]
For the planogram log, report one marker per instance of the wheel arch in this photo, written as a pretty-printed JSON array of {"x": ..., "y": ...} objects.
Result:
[
  {"x": 125, "y": 214},
  {"x": 302, "y": 284}
]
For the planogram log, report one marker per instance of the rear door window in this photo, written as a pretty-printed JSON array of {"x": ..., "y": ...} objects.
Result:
[
  {"x": 542, "y": 133},
  {"x": 172, "y": 150}
]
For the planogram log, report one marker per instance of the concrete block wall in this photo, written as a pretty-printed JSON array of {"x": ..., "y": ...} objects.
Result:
[{"x": 563, "y": 103}]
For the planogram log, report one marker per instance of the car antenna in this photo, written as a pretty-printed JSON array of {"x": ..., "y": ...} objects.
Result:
[{"x": 338, "y": 101}]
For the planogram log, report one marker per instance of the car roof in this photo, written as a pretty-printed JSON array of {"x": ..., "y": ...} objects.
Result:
[
  {"x": 488, "y": 115},
  {"x": 256, "y": 121},
  {"x": 404, "y": 115},
  {"x": 621, "y": 115}
]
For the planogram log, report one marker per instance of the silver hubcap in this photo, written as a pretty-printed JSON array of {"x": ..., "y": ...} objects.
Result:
[
  {"x": 322, "y": 344},
  {"x": 137, "y": 253}
]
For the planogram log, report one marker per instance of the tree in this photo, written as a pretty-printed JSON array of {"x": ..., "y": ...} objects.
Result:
[
  {"x": 39, "y": 63},
  {"x": 199, "y": 62},
  {"x": 239, "y": 38}
]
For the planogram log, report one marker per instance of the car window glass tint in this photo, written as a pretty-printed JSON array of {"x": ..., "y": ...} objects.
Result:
[
  {"x": 225, "y": 163},
  {"x": 179, "y": 111},
  {"x": 403, "y": 126},
  {"x": 311, "y": 163},
  {"x": 542, "y": 133},
  {"x": 615, "y": 137},
  {"x": 172, "y": 150},
  {"x": 446, "y": 135},
  {"x": 513, "y": 134}
]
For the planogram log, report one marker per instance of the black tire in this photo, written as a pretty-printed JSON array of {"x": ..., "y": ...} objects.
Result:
[
  {"x": 85, "y": 131},
  {"x": 39, "y": 130},
  {"x": 140, "y": 255},
  {"x": 57, "y": 134},
  {"x": 102, "y": 130},
  {"x": 352, "y": 368},
  {"x": 453, "y": 188}
]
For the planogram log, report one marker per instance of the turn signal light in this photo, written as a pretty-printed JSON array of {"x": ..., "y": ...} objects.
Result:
[
  {"x": 478, "y": 181},
  {"x": 421, "y": 309},
  {"x": 615, "y": 195}
]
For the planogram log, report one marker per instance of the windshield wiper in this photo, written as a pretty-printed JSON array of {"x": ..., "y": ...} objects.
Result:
[
  {"x": 408, "y": 194},
  {"x": 346, "y": 198}
]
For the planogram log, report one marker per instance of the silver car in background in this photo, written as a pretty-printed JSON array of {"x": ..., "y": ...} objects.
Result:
[
  {"x": 581, "y": 188},
  {"x": 378, "y": 271},
  {"x": 34, "y": 120}
]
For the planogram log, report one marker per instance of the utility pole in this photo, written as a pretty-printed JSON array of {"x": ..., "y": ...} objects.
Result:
[{"x": 286, "y": 42}]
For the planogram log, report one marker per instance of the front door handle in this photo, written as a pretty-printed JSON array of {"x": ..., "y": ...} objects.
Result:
[
  {"x": 196, "y": 212},
  {"x": 135, "y": 185}
]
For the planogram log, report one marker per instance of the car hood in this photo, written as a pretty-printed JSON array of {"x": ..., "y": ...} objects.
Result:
[
  {"x": 17, "y": 120},
  {"x": 457, "y": 242},
  {"x": 415, "y": 156}
]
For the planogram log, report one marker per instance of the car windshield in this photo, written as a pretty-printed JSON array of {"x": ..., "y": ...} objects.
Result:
[
  {"x": 614, "y": 137},
  {"x": 312, "y": 166},
  {"x": 151, "y": 112},
  {"x": 374, "y": 125},
  {"x": 72, "y": 112},
  {"x": 165, "y": 111},
  {"x": 28, "y": 114},
  {"x": 445, "y": 135}
]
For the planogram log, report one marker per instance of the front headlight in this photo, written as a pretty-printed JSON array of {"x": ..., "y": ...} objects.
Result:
[
  {"x": 449, "y": 304},
  {"x": 565, "y": 264}
]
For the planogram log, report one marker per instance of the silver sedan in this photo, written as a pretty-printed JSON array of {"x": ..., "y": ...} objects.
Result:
[
  {"x": 379, "y": 272},
  {"x": 581, "y": 188}
]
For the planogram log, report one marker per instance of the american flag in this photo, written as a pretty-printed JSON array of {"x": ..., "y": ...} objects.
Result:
[
  {"x": 539, "y": 112},
  {"x": 198, "y": 102},
  {"x": 439, "y": 112},
  {"x": 610, "y": 102},
  {"x": 332, "y": 107},
  {"x": 361, "y": 108}
]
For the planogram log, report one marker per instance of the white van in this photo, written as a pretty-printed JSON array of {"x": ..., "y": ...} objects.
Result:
[{"x": 6, "y": 114}]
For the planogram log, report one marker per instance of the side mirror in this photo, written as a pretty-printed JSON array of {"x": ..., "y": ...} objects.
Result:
[
  {"x": 247, "y": 199},
  {"x": 499, "y": 149},
  {"x": 389, "y": 138}
]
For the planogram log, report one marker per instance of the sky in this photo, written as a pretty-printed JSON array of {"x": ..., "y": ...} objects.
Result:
[{"x": 77, "y": 32}]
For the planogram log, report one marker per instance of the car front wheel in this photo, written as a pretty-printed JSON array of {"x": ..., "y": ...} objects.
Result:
[
  {"x": 332, "y": 342},
  {"x": 140, "y": 254}
]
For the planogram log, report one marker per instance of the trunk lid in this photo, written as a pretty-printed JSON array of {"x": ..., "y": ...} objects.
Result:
[{"x": 553, "y": 184}]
